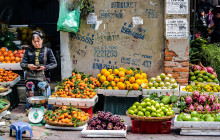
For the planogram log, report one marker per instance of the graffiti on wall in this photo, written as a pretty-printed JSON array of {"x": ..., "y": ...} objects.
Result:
[
  {"x": 110, "y": 36},
  {"x": 107, "y": 14},
  {"x": 123, "y": 4},
  {"x": 151, "y": 13},
  {"x": 83, "y": 37},
  {"x": 145, "y": 61},
  {"x": 104, "y": 64},
  {"x": 105, "y": 51},
  {"x": 138, "y": 33}
]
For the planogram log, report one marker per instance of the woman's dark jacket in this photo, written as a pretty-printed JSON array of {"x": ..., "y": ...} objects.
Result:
[{"x": 29, "y": 58}]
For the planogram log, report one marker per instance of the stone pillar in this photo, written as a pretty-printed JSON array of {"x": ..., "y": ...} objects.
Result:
[{"x": 176, "y": 59}]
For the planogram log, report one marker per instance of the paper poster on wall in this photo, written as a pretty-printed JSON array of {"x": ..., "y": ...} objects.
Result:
[
  {"x": 177, "y": 28},
  {"x": 91, "y": 19},
  {"x": 177, "y": 7}
]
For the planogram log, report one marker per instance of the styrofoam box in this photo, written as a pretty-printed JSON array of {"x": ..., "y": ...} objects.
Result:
[
  {"x": 104, "y": 133},
  {"x": 6, "y": 93},
  {"x": 147, "y": 92},
  {"x": 197, "y": 128},
  {"x": 2, "y": 114},
  {"x": 119, "y": 93},
  {"x": 11, "y": 83},
  {"x": 11, "y": 66},
  {"x": 182, "y": 93},
  {"x": 65, "y": 128},
  {"x": 78, "y": 102}
]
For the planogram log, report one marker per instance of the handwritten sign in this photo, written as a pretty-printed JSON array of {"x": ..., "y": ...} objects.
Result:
[
  {"x": 177, "y": 28},
  {"x": 177, "y": 7}
]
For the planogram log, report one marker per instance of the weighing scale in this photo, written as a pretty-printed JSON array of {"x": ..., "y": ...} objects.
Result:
[{"x": 36, "y": 115}]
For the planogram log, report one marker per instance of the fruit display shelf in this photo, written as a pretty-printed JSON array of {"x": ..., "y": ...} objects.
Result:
[
  {"x": 11, "y": 83},
  {"x": 6, "y": 93},
  {"x": 104, "y": 133},
  {"x": 119, "y": 93},
  {"x": 205, "y": 83},
  {"x": 183, "y": 93},
  {"x": 76, "y": 102},
  {"x": 147, "y": 92},
  {"x": 197, "y": 128},
  {"x": 80, "y": 128},
  {"x": 10, "y": 66}
]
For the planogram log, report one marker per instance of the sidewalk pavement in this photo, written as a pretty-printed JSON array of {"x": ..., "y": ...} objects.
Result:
[{"x": 41, "y": 133}]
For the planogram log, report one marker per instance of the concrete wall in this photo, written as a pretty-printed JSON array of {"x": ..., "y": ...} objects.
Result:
[{"x": 117, "y": 43}]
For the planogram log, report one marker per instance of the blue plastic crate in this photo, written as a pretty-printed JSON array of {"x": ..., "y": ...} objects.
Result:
[{"x": 119, "y": 105}]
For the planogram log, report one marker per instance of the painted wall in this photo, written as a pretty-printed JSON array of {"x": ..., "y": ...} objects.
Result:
[{"x": 117, "y": 43}]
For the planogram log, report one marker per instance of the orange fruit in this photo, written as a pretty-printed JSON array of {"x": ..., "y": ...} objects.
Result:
[
  {"x": 5, "y": 54},
  {"x": 98, "y": 75},
  {"x": 116, "y": 80},
  {"x": 129, "y": 72},
  {"x": 116, "y": 71},
  {"x": 121, "y": 74},
  {"x": 103, "y": 71},
  {"x": 122, "y": 79},
  {"x": 144, "y": 75},
  {"x": 132, "y": 80},
  {"x": 110, "y": 78},
  {"x": 121, "y": 85},
  {"x": 107, "y": 73},
  {"x": 2, "y": 58},
  {"x": 135, "y": 86},
  {"x": 105, "y": 83},
  {"x": 139, "y": 81},
  {"x": 102, "y": 78},
  {"x": 137, "y": 76},
  {"x": 110, "y": 70},
  {"x": 7, "y": 58},
  {"x": 113, "y": 83},
  {"x": 12, "y": 58},
  {"x": 9, "y": 51},
  {"x": 3, "y": 49}
]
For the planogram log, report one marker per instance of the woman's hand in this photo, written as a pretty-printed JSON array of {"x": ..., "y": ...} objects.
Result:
[
  {"x": 32, "y": 66},
  {"x": 41, "y": 68}
]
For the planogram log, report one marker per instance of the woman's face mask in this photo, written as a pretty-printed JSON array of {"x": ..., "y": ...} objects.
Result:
[{"x": 37, "y": 42}]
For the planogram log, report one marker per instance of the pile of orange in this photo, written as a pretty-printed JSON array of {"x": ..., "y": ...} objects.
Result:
[
  {"x": 66, "y": 114},
  {"x": 10, "y": 56},
  {"x": 6, "y": 76},
  {"x": 130, "y": 79},
  {"x": 77, "y": 86}
]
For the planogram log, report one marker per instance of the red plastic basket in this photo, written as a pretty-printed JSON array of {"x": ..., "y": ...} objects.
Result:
[
  {"x": 162, "y": 127},
  {"x": 88, "y": 110}
]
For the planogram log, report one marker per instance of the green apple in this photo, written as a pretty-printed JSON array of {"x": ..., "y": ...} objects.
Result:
[
  {"x": 147, "y": 113},
  {"x": 140, "y": 113}
]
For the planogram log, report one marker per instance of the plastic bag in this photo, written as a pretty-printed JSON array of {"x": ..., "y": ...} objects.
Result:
[{"x": 68, "y": 21}]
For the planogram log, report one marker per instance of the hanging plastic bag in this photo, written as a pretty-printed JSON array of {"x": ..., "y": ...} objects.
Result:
[{"x": 68, "y": 21}]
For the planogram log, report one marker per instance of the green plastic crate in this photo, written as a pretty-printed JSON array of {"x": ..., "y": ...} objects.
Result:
[{"x": 119, "y": 105}]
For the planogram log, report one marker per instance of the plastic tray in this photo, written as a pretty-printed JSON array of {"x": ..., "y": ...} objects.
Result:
[
  {"x": 182, "y": 93},
  {"x": 6, "y": 93},
  {"x": 65, "y": 128},
  {"x": 197, "y": 128},
  {"x": 77, "y": 102},
  {"x": 11, "y": 83},
  {"x": 147, "y": 92},
  {"x": 162, "y": 127},
  {"x": 118, "y": 105},
  {"x": 10, "y": 66},
  {"x": 104, "y": 133},
  {"x": 119, "y": 93}
]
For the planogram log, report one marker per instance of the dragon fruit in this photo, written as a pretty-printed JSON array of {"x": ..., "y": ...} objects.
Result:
[
  {"x": 204, "y": 68},
  {"x": 215, "y": 107},
  {"x": 207, "y": 108},
  {"x": 191, "y": 107},
  {"x": 189, "y": 99},
  {"x": 196, "y": 67},
  {"x": 196, "y": 95},
  {"x": 205, "y": 94},
  {"x": 215, "y": 74},
  {"x": 202, "y": 99},
  {"x": 211, "y": 99},
  {"x": 199, "y": 108},
  {"x": 210, "y": 70}
]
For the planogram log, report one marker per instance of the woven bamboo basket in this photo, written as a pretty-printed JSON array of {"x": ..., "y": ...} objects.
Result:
[
  {"x": 6, "y": 106},
  {"x": 203, "y": 112},
  {"x": 4, "y": 90},
  {"x": 66, "y": 124},
  {"x": 150, "y": 119}
]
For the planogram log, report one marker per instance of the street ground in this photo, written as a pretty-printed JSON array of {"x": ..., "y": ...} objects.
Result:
[{"x": 41, "y": 133}]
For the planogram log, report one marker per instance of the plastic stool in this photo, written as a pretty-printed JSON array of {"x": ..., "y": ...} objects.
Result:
[{"x": 20, "y": 127}]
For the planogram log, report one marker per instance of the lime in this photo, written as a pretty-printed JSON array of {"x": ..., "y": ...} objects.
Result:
[
  {"x": 140, "y": 113},
  {"x": 147, "y": 113},
  {"x": 131, "y": 112}
]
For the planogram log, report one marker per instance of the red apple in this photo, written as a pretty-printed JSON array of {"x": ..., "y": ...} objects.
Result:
[
  {"x": 21, "y": 55},
  {"x": 16, "y": 54}
]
